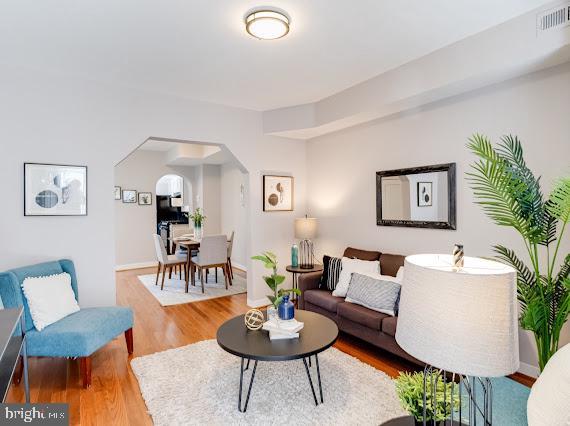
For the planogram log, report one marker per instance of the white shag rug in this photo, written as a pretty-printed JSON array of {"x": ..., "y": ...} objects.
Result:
[
  {"x": 174, "y": 288},
  {"x": 198, "y": 384}
]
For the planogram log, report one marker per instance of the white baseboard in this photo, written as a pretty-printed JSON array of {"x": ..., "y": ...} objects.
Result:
[
  {"x": 239, "y": 266},
  {"x": 138, "y": 265},
  {"x": 258, "y": 302},
  {"x": 529, "y": 370}
]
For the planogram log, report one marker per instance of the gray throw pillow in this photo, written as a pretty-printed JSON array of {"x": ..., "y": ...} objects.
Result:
[{"x": 372, "y": 293}]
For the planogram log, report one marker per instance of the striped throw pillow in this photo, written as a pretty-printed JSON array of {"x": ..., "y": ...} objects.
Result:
[{"x": 331, "y": 271}]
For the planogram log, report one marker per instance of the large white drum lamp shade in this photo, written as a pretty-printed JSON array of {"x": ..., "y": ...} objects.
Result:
[{"x": 460, "y": 320}]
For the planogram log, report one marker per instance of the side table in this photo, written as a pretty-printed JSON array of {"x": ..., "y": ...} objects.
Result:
[
  {"x": 296, "y": 270},
  {"x": 12, "y": 349}
]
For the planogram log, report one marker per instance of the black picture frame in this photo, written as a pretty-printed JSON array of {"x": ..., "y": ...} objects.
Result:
[
  {"x": 419, "y": 201},
  {"x": 149, "y": 197},
  {"x": 31, "y": 164},
  {"x": 120, "y": 193},
  {"x": 451, "y": 223},
  {"x": 135, "y": 198}
]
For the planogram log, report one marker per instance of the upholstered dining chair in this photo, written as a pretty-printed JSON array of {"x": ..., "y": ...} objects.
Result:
[
  {"x": 165, "y": 261},
  {"x": 77, "y": 335},
  {"x": 213, "y": 254},
  {"x": 230, "y": 248}
]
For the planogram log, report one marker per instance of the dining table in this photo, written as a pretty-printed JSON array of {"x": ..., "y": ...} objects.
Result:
[{"x": 190, "y": 243}]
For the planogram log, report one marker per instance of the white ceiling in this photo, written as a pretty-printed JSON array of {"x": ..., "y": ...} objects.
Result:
[
  {"x": 199, "y": 48},
  {"x": 190, "y": 157}
]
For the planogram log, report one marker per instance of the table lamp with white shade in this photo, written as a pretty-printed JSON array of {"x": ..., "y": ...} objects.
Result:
[
  {"x": 461, "y": 320},
  {"x": 306, "y": 230}
]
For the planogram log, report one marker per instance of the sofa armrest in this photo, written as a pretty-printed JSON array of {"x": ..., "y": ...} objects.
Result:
[{"x": 308, "y": 281}]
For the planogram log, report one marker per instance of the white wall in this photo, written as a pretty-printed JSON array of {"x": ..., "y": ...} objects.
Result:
[
  {"x": 211, "y": 191},
  {"x": 342, "y": 166},
  {"x": 134, "y": 224},
  {"x": 54, "y": 118},
  {"x": 233, "y": 213}
]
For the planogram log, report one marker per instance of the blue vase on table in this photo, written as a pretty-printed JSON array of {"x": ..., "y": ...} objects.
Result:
[{"x": 286, "y": 309}]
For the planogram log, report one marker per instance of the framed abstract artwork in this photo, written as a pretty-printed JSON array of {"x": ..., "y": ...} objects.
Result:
[
  {"x": 55, "y": 190},
  {"x": 117, "y": 192},
  {"x": 145, "y": 198},
  {"x": 129, "y": 196},
  {"x": 277, "y": 193},
  {"x": 424, "y": 194}
]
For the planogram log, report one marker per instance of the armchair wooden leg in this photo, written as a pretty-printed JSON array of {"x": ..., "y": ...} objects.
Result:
[
  {"x": 17, "y": 378},
  {"x": 216, "y": 269},
  {"x": 170, "y": 273},
  {"x": 129, "y": 340},
  {"x": 202, "y": 277},
  {"x": 163, "y": 275},
  {"x": 85, "y": 367},
  {"x": 157, "y": 274}
]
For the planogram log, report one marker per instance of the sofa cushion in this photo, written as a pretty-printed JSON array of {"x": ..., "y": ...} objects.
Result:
[
  {"x": 331, "y": 271},
  {"x": 389, "y": 326},
  {"x": 323, "y": 299},
  {"x": 353, "y": 253},
  {"x": 81, "y": 333},
  {"x": 390, "y": 263},
  {"x": 361, "y": 315}
]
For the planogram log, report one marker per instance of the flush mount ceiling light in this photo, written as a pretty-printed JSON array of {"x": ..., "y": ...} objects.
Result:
[{"x": 267, "y": 24}]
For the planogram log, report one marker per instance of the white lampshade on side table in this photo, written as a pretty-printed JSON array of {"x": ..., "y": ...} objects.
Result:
[{"x": 460, "y": 320}]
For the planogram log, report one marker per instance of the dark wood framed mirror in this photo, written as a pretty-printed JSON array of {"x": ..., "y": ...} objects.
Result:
[{"x": 418, "y": 197}]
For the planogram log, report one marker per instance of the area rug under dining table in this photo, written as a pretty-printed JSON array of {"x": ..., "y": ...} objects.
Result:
[{"x": 174, "y": 288}]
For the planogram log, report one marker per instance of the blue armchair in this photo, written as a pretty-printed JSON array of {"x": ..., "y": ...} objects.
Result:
[{"x": 78, "y": 335}]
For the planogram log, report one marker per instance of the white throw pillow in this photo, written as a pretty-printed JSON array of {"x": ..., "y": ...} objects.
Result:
[
  {"x": 348, "y": 267},
  {"x": 400, "y": 275},
  {"x": 49, "y": 298}
]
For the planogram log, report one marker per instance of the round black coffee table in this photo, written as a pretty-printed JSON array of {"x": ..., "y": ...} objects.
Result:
[{"x": 318, "y": 334}]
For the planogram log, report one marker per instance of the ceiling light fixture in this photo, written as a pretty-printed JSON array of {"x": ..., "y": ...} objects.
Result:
[{"x": 267, "y": 24}]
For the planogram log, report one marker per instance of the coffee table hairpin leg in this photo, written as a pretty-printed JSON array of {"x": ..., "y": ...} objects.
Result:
[
  {"x": 311, "y": 380},
  {"x": 241, "y": 370}
]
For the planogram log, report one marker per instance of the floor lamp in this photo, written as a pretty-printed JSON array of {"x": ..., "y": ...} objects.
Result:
[{"x": 462, "y": 322}]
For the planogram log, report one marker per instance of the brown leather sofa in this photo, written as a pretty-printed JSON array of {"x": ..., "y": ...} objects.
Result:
[{"x": 374, "y": 327}]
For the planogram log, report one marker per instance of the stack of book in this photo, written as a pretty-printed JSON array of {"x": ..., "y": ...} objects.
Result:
[{"x": 279, "y": 329}]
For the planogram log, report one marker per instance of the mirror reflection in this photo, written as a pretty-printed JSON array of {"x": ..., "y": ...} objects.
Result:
[{"x": 420, "y": 196}]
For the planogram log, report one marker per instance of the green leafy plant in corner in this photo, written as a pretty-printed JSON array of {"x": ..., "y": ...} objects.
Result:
[
  {"x": 510, "y": 194},
  {"x": 274, "y": 280},
  {"x": 410, "y": 391}
]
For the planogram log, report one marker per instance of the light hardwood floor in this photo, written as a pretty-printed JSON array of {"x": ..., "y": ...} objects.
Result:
[{"x": 114, "y": 397}]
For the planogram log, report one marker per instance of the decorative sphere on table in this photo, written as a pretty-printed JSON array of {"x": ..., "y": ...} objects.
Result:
[{"x": 254, "y": 319}]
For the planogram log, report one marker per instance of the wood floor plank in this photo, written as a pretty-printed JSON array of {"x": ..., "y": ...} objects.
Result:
[{"x": 114, "y": 396}]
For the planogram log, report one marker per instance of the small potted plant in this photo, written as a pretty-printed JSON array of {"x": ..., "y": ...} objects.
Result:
[
  {"x": 198, "y": 218},
  {"x": 410, "y": 390},
  {"x": 273, "y": 281}
]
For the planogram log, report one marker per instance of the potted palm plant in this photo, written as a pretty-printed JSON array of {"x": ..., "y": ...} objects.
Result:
[{"x": 510, "y": 195}]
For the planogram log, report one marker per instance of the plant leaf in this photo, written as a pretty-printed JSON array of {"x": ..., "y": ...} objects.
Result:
[{"x": 559, "y": 200}]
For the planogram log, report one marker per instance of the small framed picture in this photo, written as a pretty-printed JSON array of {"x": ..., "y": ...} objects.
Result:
[
  {"x": 145, "y": 198},
  {"x": 55, "y": 190},
  {"x": 424, "y": 194},
  {"x": 129, "y": 196},
  {"x": 117, "y": 192},
  {"x": 277, "y": 193}
]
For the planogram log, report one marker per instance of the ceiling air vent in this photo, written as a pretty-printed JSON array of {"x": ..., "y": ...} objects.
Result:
[{"x": 557, "y": 17}]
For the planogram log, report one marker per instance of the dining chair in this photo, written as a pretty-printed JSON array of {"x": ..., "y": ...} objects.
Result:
[
  {"x": 230, "y": 248},
  {"x": 213, "y": 254},
  {"x": 165, "y": 261}
]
